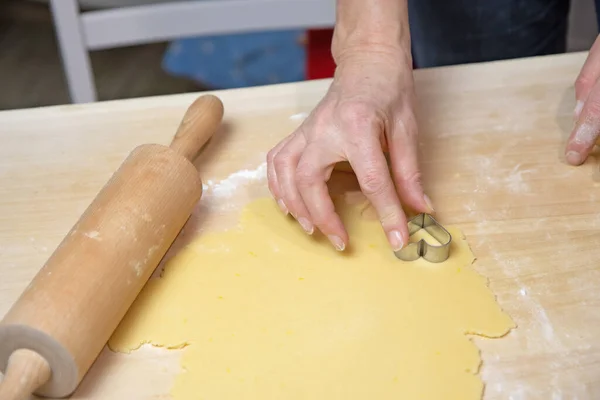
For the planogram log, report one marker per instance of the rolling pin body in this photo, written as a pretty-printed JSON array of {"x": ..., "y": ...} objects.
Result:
[{"x": 76, "y": 301}]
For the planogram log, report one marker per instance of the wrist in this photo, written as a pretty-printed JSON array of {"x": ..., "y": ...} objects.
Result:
[
  {"x": 380, "y": 28},
  {"x": 389, "y": 71},
  {"x": 373, "y": 52}
]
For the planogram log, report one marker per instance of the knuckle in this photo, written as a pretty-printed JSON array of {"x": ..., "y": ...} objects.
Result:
[
  {"x": 373, "y": 183},
  {"x": 413, "y": 178},
  {"x": 279, "y": 162},
  {"x": 405, "y": 128},
  {"x": 407, "y": 125},
  {"x": 390, "y": 216},
  {"x": 306, "y": 175},
  {"x": 318, "y": 120}
]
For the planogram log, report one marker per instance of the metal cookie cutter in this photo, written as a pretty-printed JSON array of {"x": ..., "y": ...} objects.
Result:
[{"x": 430, "y": 252}]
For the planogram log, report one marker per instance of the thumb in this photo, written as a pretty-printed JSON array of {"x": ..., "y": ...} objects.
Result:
[
  {"x": 587, "y": 76},
  {"x": 587, "y": 129}
]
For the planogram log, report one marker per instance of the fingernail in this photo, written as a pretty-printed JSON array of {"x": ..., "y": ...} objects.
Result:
[
  {"x": 395, "y": 239},
  {"x": 282, "y": 207},
  {"x": 306, "y": 225},
  {"x": 578, "y": 108},
  {"x": 428, "y": 202},
  {"x": 574, "y": 158},
  {"x": 337, "y": 242}
]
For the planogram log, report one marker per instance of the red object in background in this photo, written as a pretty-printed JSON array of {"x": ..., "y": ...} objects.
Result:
[{"x": 319, "y": 62}]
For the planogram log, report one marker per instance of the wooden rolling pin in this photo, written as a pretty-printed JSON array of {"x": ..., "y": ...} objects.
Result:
[{"x": 54, "y": 332}]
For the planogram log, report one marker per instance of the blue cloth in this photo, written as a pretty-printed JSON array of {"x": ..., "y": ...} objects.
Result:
[
  {"x": 240, "y": 60},
  {"x": 446, "y": 32}
]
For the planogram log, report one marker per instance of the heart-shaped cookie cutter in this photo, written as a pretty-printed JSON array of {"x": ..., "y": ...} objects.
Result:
[{"x": 430, "y": 252}]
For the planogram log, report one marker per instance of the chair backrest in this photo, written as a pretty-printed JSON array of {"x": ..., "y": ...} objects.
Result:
[{"x": 79, "y": 32}]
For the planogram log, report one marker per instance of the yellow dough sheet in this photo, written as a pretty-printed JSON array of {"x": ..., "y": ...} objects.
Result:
[{"x": 265, "y": 311}]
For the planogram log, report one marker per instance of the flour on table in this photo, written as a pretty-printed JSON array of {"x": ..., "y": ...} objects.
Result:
[
  {"x": 299, "y": 117},
  {"x": 227, "y": 188}
]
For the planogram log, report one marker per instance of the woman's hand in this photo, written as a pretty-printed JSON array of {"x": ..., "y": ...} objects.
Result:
[
  {"x": 587, "y": 111},
  {"x": 368, "y": 109}
]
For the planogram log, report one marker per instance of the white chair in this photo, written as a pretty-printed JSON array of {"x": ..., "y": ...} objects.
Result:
[{"x": 79, "y": 32}]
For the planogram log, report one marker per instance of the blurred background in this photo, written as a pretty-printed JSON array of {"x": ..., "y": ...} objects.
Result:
[{"x": 107, "y": 59}]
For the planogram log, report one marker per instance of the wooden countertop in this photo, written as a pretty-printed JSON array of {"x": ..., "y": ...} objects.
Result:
[{"x": 492, "y": 138}]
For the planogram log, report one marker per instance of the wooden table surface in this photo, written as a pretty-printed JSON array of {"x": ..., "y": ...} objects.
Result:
[{"x": 492, "y": 138}]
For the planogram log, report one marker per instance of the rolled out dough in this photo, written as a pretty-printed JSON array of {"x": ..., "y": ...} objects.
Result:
[{"x": 267, "y": 312}]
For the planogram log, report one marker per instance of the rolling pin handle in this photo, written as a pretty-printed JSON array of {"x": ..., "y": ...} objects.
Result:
[
  {"x": 199, "y": 123},
  {"x": 26, "y": 371}
]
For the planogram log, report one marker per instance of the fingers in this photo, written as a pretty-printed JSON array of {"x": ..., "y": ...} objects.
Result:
[
  {"x": 313, "y": 172},
  {"x": 286, "y": 163},
  {"x": 587, "y": 77},
  {"x": 402, "y": 141},
  {"x": 369, "y": 164},
  {"x": 272, "y": 180},
  {"x": 298, "y": 176},
  {"x": 587, "y": 110},
  {"x": 586, "y": 131}
]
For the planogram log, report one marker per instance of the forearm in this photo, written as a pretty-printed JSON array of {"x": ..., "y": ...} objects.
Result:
[{"x": 371, "y": 26}]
